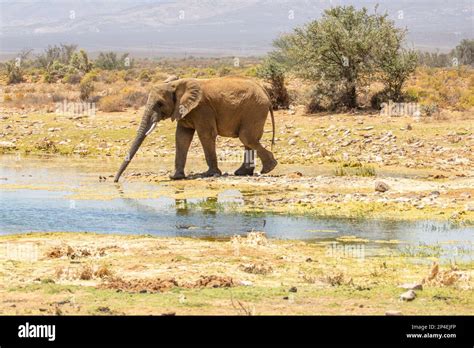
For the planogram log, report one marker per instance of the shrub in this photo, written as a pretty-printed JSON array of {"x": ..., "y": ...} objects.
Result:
[
  {"x": 145, "y": 75},
  {"x": 224, "y": 71},
  {"x": 274, "y": 74},
  {"x": 328, "y": 96},
  {"x": 80, "y": 61},
  {"x": 132, "y": 97},
  {"x": 73, "y": 79},
  {"x": 86, "y": 88},
  {"x": 14, "y": 72},
  {"x": 111, "y": 103},
  {"x": 110, "y": 61}
]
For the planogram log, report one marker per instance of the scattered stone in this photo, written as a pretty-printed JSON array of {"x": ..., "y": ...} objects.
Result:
[
  {"x": 295, "y": 175},
  {"x": 246, "y": 283},
  {"x": 293, "y": 289},
  {"x": 380, "y": 186},
  {"x": 393, "y": 313},
  {"x": 410, "y": 295},
  {"x": 103, "y": 309},
  {"x": 292, "y": 141},
  {"x": 411, "y": 286}
]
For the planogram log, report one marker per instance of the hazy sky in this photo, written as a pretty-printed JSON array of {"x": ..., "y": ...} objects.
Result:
[{"x": 209, "y": 27}]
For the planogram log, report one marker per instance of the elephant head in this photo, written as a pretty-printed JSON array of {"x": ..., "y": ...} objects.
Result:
[{"x": 173, "y": 99}]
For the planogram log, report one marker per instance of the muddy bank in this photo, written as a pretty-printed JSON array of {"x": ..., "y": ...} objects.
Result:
[{"x": 86, "y": 273}]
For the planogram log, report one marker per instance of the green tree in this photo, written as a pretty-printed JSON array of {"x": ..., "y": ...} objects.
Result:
[
  {"x": 110, "y": 61},
  {"x": 464, "y": 52},
  {"x": 346, "y": 46},
  {"x": 274, "y": 74},
  {"x": 80, "y": 61},
  {"x": 396, "y": 68}
]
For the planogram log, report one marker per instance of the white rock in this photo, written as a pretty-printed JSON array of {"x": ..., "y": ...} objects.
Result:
[{"x": 408, "y": 296}]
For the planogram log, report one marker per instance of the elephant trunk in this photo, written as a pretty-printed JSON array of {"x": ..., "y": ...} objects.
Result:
[{"x": 147, "y": 124}]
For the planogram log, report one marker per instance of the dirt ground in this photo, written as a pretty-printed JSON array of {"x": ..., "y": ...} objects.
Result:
[{"x": 85, "y": 273}]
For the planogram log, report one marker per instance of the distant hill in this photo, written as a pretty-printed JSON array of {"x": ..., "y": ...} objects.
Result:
[{"x": 208, "y": 27}]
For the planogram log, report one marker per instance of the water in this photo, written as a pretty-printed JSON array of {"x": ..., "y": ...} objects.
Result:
[{"x": 23, "y": 209}]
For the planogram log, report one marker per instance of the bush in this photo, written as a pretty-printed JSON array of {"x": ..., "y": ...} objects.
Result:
[
  {"x": 86, "y": 88},
  {"x": 111, "y": 103},
  {"x": 110, "y": 61},
  {"x": 328, "y": 96},
  {"x": 133, "y": 98},
  {"x": 14, "y": 72},
  {"x": 145, "y": 75},
  {"x": 80, "y": 61},
  {"x": 92, "y": 75},
  {"x": 273, "y": 73},
  {"x": 224, "y": 71},
  {"x": 73, "y": 79}
]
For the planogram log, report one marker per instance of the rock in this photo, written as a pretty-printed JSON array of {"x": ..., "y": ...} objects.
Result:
[
  {"x": 408, "y": 296},
  {"x": 293, "y": 289},
  {"x": 412, "y": 286},
  {"x": 292, "y": 141},
  {"x": 295, "y": 175},
  {"x": 393, "y": 313},
  {"x": 469, "y": 207},
  {"x": 380, "y": 186},
  {"x": 246, "y": 283}
]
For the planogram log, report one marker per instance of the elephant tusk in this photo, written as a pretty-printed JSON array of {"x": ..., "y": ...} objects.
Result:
[{"x": 151, "y": 128}]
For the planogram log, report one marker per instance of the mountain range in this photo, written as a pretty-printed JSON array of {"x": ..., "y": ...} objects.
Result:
[{"x": 209, "y": 27}]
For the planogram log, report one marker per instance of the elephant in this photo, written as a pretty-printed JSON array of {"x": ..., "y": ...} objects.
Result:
[{"x": 226, "y": 106}]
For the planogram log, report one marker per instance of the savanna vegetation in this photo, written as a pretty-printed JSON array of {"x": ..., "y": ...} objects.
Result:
[
  {"x": 338, "y": 158},
  {"x": 349, "y": 59}
]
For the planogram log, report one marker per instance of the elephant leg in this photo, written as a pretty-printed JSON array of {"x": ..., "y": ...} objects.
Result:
[
  {"x": 248, "y": 166},
  {"x": 184, "y": 136},
  {"x": 268, "y": 160},
  {"x": 208, "y": 142}
]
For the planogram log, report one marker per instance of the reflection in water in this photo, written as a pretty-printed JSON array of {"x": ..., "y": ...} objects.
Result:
[
  {"x": 181, "y": 206},
  {"x": 37, "y": 210},
  {"x": 214, "y": 217}
]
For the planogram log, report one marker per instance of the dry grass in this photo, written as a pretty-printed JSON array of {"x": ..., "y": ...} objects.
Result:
[{"x": 210, "y": 281}]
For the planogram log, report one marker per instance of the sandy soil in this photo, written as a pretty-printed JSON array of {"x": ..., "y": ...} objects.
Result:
[{"x": 83, "y": 273}]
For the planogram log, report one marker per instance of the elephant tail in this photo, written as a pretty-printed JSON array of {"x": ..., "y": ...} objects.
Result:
[{"x": 273, "y": 126}]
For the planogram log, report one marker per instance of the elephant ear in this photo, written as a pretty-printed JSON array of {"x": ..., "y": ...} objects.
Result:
[{"x": 188, "y": 95}]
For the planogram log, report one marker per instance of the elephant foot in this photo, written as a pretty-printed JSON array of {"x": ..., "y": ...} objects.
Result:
[
  {"x": 244, "y": 170},
  {"x": 269, "y": 166},
  {"x": 178, "y": 176},
  {"x": 211, "y": 172}
]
